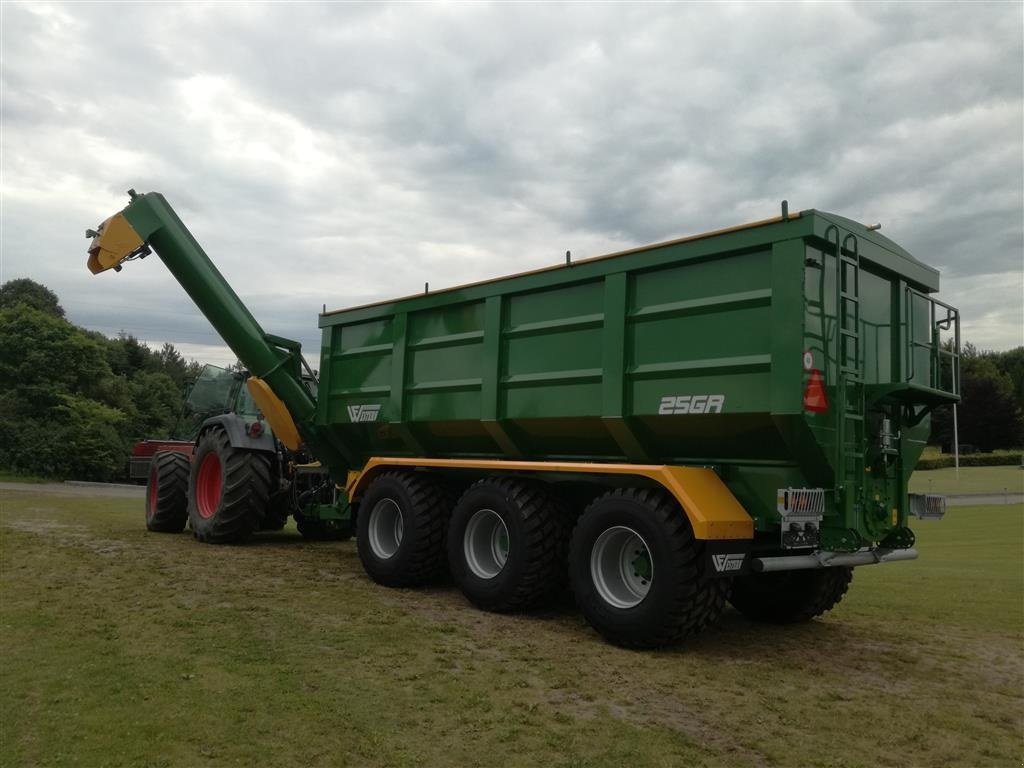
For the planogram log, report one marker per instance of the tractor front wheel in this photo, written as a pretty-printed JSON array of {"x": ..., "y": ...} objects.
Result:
[
  {"x": 167, "y": 492},
  {"x": 229, "y": 490}
]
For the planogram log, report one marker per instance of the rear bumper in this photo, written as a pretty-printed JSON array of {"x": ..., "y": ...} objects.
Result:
[{"x": 831, "y": 559}]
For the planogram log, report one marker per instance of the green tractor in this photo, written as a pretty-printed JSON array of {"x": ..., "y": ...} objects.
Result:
[{"x": 234, "y": 453}]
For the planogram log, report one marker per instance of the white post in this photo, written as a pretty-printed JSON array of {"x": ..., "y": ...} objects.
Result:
[{"x": 956, "y": 444}]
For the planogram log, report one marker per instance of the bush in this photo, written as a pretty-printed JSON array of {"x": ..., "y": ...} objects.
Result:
[
  {"x": 1001, "y": 459},
  {"x": 79, "y": 439}
]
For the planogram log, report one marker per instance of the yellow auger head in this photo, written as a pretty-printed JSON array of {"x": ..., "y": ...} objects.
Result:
[{"x": 114, "y": 241}]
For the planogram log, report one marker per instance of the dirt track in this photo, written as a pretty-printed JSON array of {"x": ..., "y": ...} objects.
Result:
[{"x": 77, "y": 489}]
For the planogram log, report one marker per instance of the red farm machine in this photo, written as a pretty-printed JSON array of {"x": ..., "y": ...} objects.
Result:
[{"x": 727, "y": 417}]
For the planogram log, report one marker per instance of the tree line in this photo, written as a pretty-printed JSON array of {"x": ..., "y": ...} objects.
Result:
[
  {"x": 989, "y": 415},
  {"x": 73, "y": 401}
]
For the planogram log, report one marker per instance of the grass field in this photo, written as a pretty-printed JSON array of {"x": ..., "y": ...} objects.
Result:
[
  {"x": 970, "y": 480},
  {"x": 123, "y": 648},
  {"x": 14, "y": 477}
]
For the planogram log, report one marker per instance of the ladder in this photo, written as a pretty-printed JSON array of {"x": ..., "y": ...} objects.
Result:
[{"x": 849, "y": 446}]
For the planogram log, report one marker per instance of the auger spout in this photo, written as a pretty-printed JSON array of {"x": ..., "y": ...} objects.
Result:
[{"x": 149, "y": 222}]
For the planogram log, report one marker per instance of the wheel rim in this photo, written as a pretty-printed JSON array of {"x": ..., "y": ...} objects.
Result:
[
  {"x": 208, "y": 486},
  {"x": 386, "y": 528},
  {"x": 621, "y": 567},
  {"x": 485, "y": 544},
  {"x": 152, "y": 492}
]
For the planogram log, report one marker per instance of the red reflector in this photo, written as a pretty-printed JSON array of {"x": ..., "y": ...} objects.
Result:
[
  {"x": 255, "y": 429},
  {"x": 815, "y": 399}
]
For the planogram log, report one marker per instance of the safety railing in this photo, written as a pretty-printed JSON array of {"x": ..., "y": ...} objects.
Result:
[{"x": 943, "y": 358}]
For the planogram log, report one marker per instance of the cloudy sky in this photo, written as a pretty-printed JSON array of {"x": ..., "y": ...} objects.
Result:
[{"x": 340, "y": 154}]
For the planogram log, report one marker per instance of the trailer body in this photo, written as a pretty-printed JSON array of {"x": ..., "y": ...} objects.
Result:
[{"x": 703, "y": 352}]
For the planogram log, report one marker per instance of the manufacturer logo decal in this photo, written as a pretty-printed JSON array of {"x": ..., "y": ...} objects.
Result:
[
  {"x": 673, "y": 404},
  {"x": 358, "y": 413},
  {"x": 727, "y": 563}
]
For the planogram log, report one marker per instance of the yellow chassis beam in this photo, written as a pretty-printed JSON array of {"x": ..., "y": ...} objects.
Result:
[{"x": 711, "y": 508}]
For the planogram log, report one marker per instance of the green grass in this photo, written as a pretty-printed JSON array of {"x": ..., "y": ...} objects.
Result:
[
  {"x": 934, "y": 452},
  {"x": 970, "y": 480},
  {"x": 123, "y": 648},
  {"x": 6, "y": 476}
]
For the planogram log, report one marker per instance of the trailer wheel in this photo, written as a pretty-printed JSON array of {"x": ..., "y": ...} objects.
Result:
[
  {"x": 167, "y": 492},
  {"x": 787, "y": 597},
  {"x": 401, "y": 528},
  {"x": 506, "y": 544},
  {"x": 638, "y": 574},
  {"x": 228, "y": 490}
]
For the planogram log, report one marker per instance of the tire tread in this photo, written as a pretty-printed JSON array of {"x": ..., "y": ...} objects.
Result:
[
  {"x": 546, "y": 543},
  {"x": 171, "y": 513},
  {"x": 246, "y": 494},
  {"x": 697, "y": 602},
  {"x": 431, "y": 504},
  {"x": 789, "y": 597}
]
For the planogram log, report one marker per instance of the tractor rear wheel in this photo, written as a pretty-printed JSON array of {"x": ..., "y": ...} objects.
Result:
[
  {"x": 401, "y": 526},
  {"x": 506, "y": 543},
  {"x": 787, "y": 597},
  {"x": 228, "y": 490},
  {"x": 640, "y": 577},
  {"x": 167, "y": 492}
]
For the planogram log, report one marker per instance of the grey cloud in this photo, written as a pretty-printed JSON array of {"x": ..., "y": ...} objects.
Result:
[{"x": 337, "y": 154}]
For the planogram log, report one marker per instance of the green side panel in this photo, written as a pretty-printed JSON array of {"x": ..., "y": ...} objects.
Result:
[
  {"x": 443, "y": 362},
  {"x": 551, "y": 357},
  {"x": 359, "y": 367}
]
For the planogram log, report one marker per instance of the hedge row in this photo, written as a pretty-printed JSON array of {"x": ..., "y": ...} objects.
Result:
[{"x": 1002, "y": 459}]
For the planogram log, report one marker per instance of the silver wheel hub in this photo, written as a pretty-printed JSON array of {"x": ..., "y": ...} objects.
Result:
[
  {"x": 485, "y": 544},
  {"x": 386, "y": 528},
  {"x": 621, "y": 567}
]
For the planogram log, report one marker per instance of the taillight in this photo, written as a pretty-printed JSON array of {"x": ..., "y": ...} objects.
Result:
[{"x": 815, "y": 399}]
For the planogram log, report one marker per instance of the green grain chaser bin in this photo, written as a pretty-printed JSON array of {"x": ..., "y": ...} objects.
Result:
[{"x": 727, "y": 417}]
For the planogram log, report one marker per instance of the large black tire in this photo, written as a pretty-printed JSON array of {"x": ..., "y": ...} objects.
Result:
[
  {"x": 787, "y": 597},
  {"x": 167, "y": 492},
  {"x": 640, "y": 577},
  {"x": 401, "y": 525},
  {"x": 228, "y": 490},
  {"x": 507, "y": 543}
]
